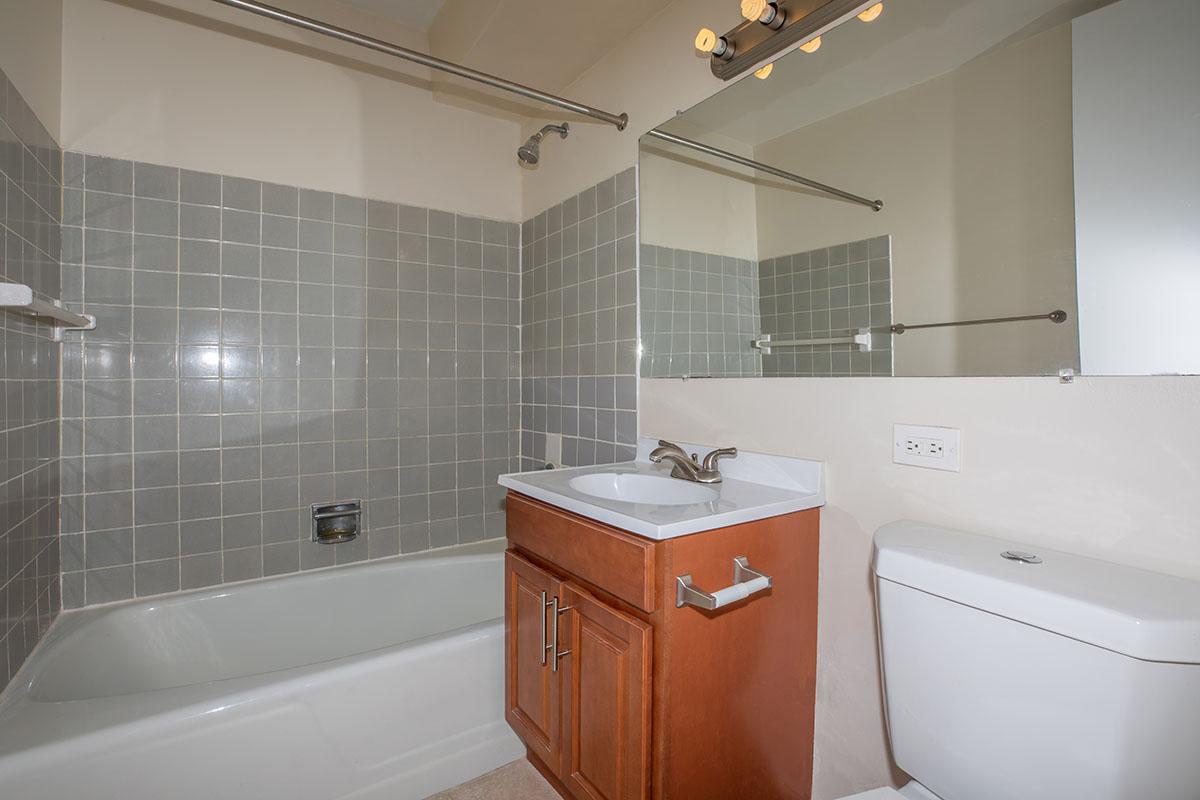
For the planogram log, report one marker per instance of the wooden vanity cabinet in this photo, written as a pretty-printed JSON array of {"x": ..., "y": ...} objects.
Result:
[
  {"x": 635, "y": 698},
  {"x": 532, "y": 692}
]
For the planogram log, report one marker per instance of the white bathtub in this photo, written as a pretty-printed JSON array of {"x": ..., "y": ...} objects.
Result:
[{"x": 379, "y": 680}]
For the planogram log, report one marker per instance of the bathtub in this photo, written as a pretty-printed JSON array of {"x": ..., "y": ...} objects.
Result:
[{"x": 378, "y": 680}]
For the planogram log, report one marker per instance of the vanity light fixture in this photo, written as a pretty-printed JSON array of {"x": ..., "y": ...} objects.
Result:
[
  {"x": 707, "y": 41},
  {"x": 764, "y": 72},
  {"x": 764, "y": 11},
  {"x": 770, "y": 28},
  {"x": 872, "y": 13}
]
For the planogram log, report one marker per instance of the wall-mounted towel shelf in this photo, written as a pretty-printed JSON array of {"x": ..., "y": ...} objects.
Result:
[
  {"x": 862, "y": 339},
  {"x": 19, "y": 297}
]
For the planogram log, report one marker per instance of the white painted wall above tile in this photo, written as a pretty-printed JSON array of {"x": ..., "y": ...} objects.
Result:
[
  {"x": 31, "y": 55},
  {"x": 218, "y": 90}
]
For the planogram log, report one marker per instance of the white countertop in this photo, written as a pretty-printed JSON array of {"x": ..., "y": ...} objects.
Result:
[{"x": 754, "y": 486}]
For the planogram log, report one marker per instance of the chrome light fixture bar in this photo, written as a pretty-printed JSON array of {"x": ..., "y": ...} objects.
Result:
[
  {"x": 874, "y": 205},
  {"x": 755, "y": 41},
  {"x": 417, "y": 57}
]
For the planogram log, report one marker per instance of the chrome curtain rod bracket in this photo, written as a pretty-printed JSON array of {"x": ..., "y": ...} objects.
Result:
[
  {"x": 417, "y": 57},
  {"x": 874, "y": 205},
  {"x": 1058, "y": 317}
]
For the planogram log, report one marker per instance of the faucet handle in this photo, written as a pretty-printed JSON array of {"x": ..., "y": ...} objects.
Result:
[{"x": 710, "y": 460}]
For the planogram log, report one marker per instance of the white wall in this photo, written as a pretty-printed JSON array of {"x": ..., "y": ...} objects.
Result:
[
  {"x": 31, "y": 55},
  {"x": 1137, "y": 173},
  {"x": 191, "y": 88},
  {"x": 1106, "y": 466}
]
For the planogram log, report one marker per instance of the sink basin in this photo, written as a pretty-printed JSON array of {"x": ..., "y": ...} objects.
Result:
[
  {"x": 638, "y": 497},
  {"x": 647, "y": 489}
]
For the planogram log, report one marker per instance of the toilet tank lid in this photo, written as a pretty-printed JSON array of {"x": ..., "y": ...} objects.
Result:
[{"x": 1143, "y": 614}]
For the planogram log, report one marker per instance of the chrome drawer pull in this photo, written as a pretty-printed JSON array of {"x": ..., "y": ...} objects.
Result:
[
  {"x": 545, "y": 646},
  {"x": 746, "y": 581},
  {"x": 554, "y": 635}
]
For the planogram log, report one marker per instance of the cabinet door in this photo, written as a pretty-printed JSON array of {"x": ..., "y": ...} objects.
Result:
[
  {"x": 532, "y": 699},
  {"x": 606, "y": 700}
]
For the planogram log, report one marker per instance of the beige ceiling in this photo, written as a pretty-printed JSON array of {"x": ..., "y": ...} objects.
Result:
[
  {"x": 546, "y": 44},
  {"x": 418, "y": 14}
]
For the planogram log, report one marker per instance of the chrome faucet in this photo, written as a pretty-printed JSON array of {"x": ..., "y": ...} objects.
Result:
[{"x": 691, "y": 468}]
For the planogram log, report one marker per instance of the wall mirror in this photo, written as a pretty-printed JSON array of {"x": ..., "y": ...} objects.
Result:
[{"x": 1035, "y": 159}]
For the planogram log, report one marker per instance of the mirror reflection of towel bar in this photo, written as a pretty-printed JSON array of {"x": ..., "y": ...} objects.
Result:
[
  {"x": 1057, "y": 316},
  {"x": 746, "y": 581},
  {"x": 861, "y": 338}
]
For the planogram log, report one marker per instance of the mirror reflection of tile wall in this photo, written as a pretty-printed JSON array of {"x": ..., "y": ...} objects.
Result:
[
  {"x": 700, "y": 312},
  {"x": 830, "y": 292}
]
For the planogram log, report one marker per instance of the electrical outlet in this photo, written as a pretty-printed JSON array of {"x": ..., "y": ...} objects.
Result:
[{"x": 927, "y": 446}]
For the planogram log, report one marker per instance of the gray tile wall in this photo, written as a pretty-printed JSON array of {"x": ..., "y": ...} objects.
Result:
[
  {"x": 579, "y": 325},
  {"x": 700, "y": 312},
  {"x": 261, "y": 348},
  {"x": 30, "y": 184},
  {"x": 825, "y": 293}
]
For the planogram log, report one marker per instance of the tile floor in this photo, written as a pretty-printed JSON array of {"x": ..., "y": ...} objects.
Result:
[{"x": 515, "y": 781}]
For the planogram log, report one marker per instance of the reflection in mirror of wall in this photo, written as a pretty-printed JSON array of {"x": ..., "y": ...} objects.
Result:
[{"x": 1022, "y": 168}]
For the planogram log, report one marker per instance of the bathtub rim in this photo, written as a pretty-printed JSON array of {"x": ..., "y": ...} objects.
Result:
[
  {"x": 118, "y": 718},
  {"x": 69, "y": 620},
  {"x": 117, "y": 712}
]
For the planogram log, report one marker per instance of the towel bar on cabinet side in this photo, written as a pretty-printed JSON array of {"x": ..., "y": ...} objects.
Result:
[{"x": 746, "y": 581}]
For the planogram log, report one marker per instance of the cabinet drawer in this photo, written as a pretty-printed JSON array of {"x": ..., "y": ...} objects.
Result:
[{"x": 617, "y": 562}]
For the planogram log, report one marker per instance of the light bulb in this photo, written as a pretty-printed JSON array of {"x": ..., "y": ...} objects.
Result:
[
  {"x": 765, "y": 72},
  {"x": 812, "y": 45},
  {"x": 753, "y": 9},
  {"x": 872, "y": 13},
  {"x": 706, "y": 40}
]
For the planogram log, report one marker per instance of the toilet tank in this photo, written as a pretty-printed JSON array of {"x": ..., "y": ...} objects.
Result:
[{"x": 1071, "y": 678}]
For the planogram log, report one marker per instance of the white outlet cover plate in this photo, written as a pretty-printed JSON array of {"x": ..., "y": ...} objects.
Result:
[{"x": 949, "y": 440}]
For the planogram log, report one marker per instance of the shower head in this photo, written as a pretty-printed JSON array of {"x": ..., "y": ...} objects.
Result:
[{"x": 529, "y": 153}]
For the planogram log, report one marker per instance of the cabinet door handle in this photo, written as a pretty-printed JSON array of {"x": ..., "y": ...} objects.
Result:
[
  {"x": 545, "y": 646},
  {"x": 554, "y": 636}
]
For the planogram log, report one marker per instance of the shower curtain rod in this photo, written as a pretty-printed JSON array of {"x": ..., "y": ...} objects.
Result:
[
  {"x": 417, "y": 57},
  {"x": 874, "y": 205}
]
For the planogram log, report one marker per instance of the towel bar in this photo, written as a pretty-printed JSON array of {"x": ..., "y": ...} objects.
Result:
[{"x": 746, "y": 581}]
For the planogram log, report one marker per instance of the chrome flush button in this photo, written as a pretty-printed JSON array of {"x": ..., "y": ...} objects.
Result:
[{"x": 1018, "y": 555}]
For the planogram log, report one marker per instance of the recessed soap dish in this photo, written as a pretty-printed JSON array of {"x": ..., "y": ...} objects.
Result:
[{"x": 336, "y": 523}]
